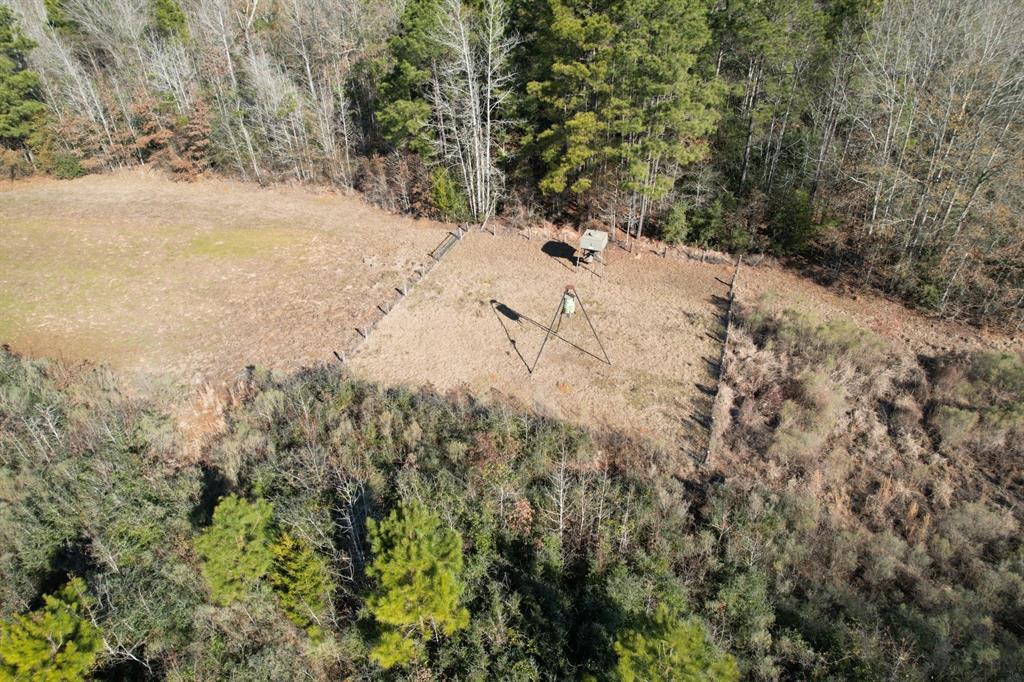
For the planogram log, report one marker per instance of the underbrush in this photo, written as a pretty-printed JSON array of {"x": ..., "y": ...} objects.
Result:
[
  {"x": 841, "y": 544},
  {"x": 563, "y": 547},
  {"x": 908, "y": 472}
]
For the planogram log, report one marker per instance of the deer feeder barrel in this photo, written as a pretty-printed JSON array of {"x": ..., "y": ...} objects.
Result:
[{"x": 568, "y": 303}]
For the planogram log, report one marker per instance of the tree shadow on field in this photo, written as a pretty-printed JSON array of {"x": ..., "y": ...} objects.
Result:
[
  {"x": 72, "y": 558},
  {"x": 575, "y": 618},
  {"x": 213, "y": 487},
  {"x": 559, "y": 250}
]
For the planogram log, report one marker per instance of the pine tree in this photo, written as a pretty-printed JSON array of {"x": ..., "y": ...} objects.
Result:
[
  {"x": 667, "y": 648},
  {"x": 404, "y": 112},
  {"x": 169, "y": 19},
  {"x": 55, "y": 643},
  {"x": 417, "y": 564},
  {"x": 19, "y": 107},
  {"x": 57, "y": 17},
  {"x": 302, "y": 582},
  {"x": 235, "y": 549},
  {"x": 576, "y": 48},
  {"x": 620, "y": 102}
]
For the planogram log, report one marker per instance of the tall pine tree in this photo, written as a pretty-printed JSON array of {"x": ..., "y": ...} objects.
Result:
[
  {"x": 619, "y": 100},
  {"x": 55, "y": 642},
  {"x": 19, "y": 108},
  {"x": 302, "y": 581},
  {"x": 417, "y": 564},
  {"x": 404, "y": 110},
  {"x": 235, "y": 549}
]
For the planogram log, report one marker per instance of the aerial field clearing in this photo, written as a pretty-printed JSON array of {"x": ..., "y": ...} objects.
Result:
[
  {"x": 195, "y": 280},
  {"x": 478, "y": 321}
]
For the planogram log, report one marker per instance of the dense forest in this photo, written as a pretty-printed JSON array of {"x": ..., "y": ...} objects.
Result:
[
  {"x": 876, "y": 141},
  {"x": 860, "y": 521}
]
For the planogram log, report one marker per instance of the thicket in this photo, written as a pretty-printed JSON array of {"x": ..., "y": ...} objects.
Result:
[
  {"x": 335, "y": 529},
  {"x": 904, "y": 475},
  {"x": 877, "y": 139}
]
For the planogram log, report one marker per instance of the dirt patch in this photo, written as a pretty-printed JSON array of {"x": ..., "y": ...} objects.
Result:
[
  {"x": 196, "y": 280},
  {"x": 477, "y": 324}
]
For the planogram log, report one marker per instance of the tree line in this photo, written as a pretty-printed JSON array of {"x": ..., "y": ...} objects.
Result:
[{"x": 875, "y": 139}]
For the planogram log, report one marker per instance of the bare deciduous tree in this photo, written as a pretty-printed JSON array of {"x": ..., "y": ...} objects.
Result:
[{"x": 471, "y": 86}]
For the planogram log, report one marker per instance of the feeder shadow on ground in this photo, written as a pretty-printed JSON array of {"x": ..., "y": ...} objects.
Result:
[{"x": 501, "y": 310}]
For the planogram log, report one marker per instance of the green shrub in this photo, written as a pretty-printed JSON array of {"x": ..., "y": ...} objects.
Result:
[
  {"x": 169, "y": 19},
  {"x": 721, "y": 223},
  {"x": 926, "y": 295},
  {"x": 821, "y": 343},
  {"x": 57, "y": 17},
  {"x": 996, "y": 377},
  {"x": 666, "y": 648},
  {"x": 747, "y": 611},
  {"x": 302, "y": 582},
  {"x": 990, "y": 394},
  {"x": 674, "y": 228},
  {"x": 447, "y": 196},
  {"x": 67, "y": 167},
  {"x": 236, "y": 549},
  {"x": 57, "y": 642}
]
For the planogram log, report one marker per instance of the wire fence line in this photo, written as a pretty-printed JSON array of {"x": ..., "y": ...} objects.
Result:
[
  {"x": 721, "y": 364},
  {"x": 399, "y": 293}
]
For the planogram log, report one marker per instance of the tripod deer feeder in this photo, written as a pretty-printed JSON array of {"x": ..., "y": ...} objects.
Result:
[{"x": 567, "y": 305}]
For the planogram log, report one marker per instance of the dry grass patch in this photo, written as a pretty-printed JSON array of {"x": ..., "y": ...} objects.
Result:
[
  {"x": 478, "y": 322},
  {"x": 194, "y": 280}
]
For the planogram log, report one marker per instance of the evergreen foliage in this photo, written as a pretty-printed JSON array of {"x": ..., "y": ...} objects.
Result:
[
  {"x": 620, "y": 88},
  {"x": 404, "y": 112},
  {"x": 554, "y": 545},
  {"x": 169, "y": 19},
  {"x": 417, "y": 565},
  {"x": 302, "y": 581},
  {"x": 876, "y": 138},
  {"x": 675, "y": 229},
  {"x": 445, "y": 194},
  {"x": 236, "y": 549},
  {"x": 57, "y": 17},
  {"x": 56, "y": 643},
  {"x": 20, "y": 110},
  {"x": 668, "y": 648}
]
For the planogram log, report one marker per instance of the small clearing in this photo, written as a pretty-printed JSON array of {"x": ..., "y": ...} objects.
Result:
[{"x": 477, "y": 323}]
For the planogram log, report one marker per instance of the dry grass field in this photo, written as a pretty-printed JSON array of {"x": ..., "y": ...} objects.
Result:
[
  {"x": 778, "y": 289},
  {"x": 477, "y": 324},
  {"x": 194, "y": 280}
]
